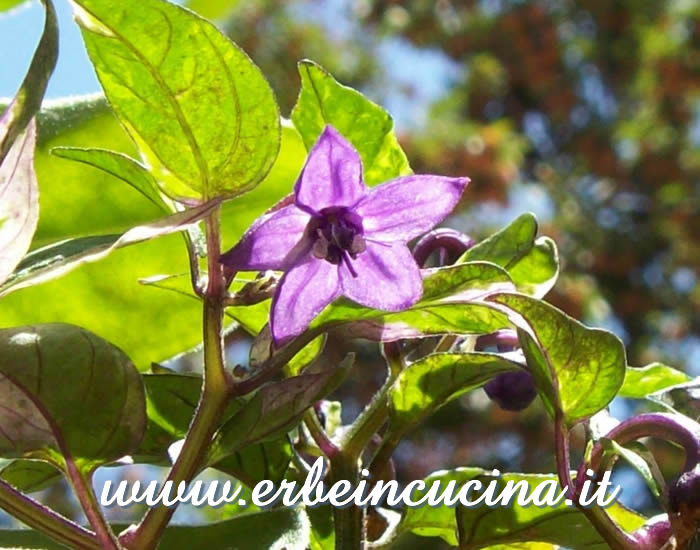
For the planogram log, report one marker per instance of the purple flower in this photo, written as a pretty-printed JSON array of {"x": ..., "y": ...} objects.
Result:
[{"x": 340, "y": 237}]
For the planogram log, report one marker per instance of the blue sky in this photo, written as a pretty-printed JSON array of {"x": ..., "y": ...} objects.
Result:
[{"x": 19, "y": 33}]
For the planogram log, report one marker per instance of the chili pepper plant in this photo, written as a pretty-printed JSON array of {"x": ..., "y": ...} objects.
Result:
[{"x": 200, "y": 212}]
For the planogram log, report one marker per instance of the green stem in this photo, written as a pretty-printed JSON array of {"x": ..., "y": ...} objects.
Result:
[
  {"x": 349, "y": 521},
  {"x": 216, "y": 390},
  {"x": 319, "y": 435},
  {"x": 82, "y": 487},
  {"x": 368, "y": 423},
  {"x": 615, "y": 537},
  {"x": 376, "y": 412},
  {"x": 383, "y": 456},
  {"x": 39, "y": 517}
]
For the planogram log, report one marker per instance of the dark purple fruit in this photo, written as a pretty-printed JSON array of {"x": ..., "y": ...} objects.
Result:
[
  {"x": 512, "y": 391},
  {"x": 684, "y": 495}
]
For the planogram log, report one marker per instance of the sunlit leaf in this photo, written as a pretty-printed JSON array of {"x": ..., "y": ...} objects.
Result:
[
  {"x": 9, "y": 4},
  {"x": 366, "y": 125},
  {"x": 578, "y": 370},
  {"x": 56, "y": 260},
  {"x": 483, "y": 526},
  {"x": 640, "y": 382},
  {"x": 433, "y": 381},
  {"x": 531, "y": 262},
  {"x": 199, "y": 110},
  {"x": 450, "y": 303},
  {"x": 682, "y": 398},
  {"x": 77, "y": 200},
  {"x": 119, "y": 165},
  {"x": 19, "y": 207},
  {"x": 637, "y": 462},
  {"x": 212, "y": 9}
]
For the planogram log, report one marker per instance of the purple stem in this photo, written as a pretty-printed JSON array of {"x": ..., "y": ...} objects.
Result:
[
  {"x": 563, "y": 461},
  {"x": 453, "y": 242},
  {"x": 675, "y": 428},
  {"x": 89, "y": 504},
  {"x": 44, "y": 519},
  {"x": 504, "y": 340}
]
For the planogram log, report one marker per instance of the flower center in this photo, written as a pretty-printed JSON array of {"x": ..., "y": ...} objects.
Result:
[{"x": 337, "y": 236}]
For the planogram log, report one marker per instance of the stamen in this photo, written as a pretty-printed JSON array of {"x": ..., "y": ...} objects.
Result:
[
  {"x": 348, "y": 263},
  {"x": 338, "y": 238}
]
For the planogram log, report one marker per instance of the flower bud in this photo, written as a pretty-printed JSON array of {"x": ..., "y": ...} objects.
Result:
[
  {"x": 512, "y": 391},
  {"x": 452, "y": 242}
]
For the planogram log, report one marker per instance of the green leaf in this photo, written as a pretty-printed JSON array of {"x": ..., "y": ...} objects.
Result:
[
  {"x": 531, "y": 262},
  {"x": 640, "y": 382},
  {"x": 120, "y": 166},
  {"x": 273, "y": 529},
  {"x": 563, "y": 525},
  {"x": 366, "y": 125},
  {"x": 433, "y": 381},
  {"x": 212, "y": 9},
  {"x": 200, "y": 111},
  {"x": 578, "y": 370},
  {"x": 19, "y": 207},
  {"x": 306, "y": 356},
  {"x": 67, "y": 391},
  {"x": 56, "y": 260},
  {"x": 77, "y": 200},
  {"x": 9, "y": 4},
  {"x": 276, "y": 407},
  {"x": 538, "y": 270},
  {"x": 30, "y": 476},
  {"x": 261, "y": 351},
  {"x": 322, "y": 528},
  {"x": 449, "y": 305},
  {"x": 636, "y": 461},
  {"x": 681, "y": 398},
  {"x": 27, "y": 100},
  {"x": 437, "y": 521},
  {"x": 266, "y": 460},
  {"x": 171, "y": 402}
]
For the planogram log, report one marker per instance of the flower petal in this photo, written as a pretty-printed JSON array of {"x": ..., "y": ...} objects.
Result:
[
  {"x": 270, "y": 242},
  {"x": 301, "y": 295},
  {"x": 406, "y": 207},
  {"x": 387, "y": 277},
  {"x": 332, "y": 175}
]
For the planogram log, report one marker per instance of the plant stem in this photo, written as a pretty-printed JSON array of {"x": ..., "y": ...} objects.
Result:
[
  {"x": 370, "y": 420},
  {"x": 349, "y": 521},
  {"x": 216, "y": 390},
  {"x": 39, "y": 517},
  {"x": 561, "y": 447},
  {"x": 616, "y": 538},
  {"x": 383, "y": 456},
  {"x": 82, "y": 487},
  {"x": 606, "y": 527},
  {"x": 319, "y": 435}
]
